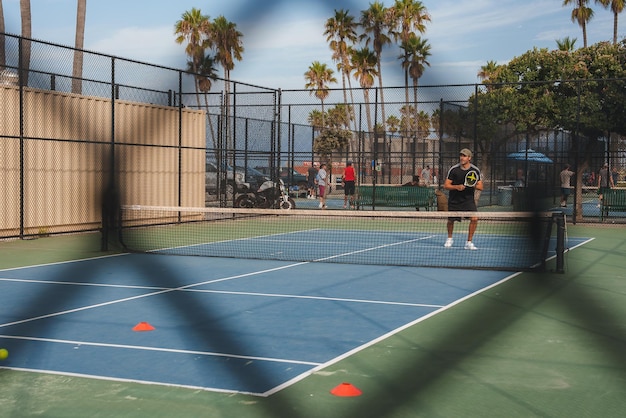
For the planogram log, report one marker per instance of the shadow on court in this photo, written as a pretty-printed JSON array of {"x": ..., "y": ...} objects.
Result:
[{"x": 422, "y": 355}]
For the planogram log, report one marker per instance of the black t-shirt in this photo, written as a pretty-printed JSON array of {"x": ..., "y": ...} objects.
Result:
[{"x": 463, "y": 199}]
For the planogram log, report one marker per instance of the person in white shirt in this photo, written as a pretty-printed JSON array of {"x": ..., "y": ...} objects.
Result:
[
  {"x": 321, "y": 180},
  {"x": 565, "y": 175},
  {"x": 426, "y": 175}
]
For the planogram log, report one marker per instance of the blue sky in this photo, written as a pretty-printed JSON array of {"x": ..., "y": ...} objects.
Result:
[{"x": 282, "y": 37}]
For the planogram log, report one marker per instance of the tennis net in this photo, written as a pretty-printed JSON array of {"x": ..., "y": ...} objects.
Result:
[{"x": 516, "y": 241}]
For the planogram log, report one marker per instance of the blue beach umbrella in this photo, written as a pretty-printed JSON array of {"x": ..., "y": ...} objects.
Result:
[{"x": 529, "y": 155}]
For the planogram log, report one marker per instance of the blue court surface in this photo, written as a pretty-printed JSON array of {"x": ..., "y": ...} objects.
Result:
[{"x": 220, "y": 324}]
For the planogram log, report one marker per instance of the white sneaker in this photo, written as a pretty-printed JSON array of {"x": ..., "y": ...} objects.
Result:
[
  {"x": 469, "y": 245},
  {"x": 448, "y": 243},
  {"x": 321, "y": 205}
]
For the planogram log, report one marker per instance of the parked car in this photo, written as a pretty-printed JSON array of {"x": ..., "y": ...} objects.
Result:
[
  {"x": 253, "y": 177},
  {"x": 295, "y": 182},
  {"x": 9, "y": 77},
  {"x": 338, "y": 182},
  {"x": 235, "y": 180}
]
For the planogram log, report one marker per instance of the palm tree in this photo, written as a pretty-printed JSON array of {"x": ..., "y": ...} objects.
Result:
[
  {"x": 566, "y": 44},
  {"x": 581, "y": 14},
  {"x": 435, "y": 121},
  {"x": 416, "y": 51},
  {"x": 487, "y": 71},
  {"x": 375, "y": 23},
  {"x": 408, "y": 121},
  {"x": 226, "y": 40},
  {"x": 408, "y": 16},
  {"x": 364, "y": 63},
  {"x": 423, "y": 124},
  {"x": 316, "y": 120},
  {"x": 206, "y": 73},
  {"x": 317, "y": 77},
  {"x": 408, "y": 124},
  {"x": 26, "y": 33},
  {"x": 341, "y": 33},
  {"x": 192, "y": 28},
  {"x": 339, "y": 117},
  {"x": 77, "y": 67},
  {"x": 393, "y": 124},
  {"x": 2, "y": 40},
  {"x": 617, "y": 7}
]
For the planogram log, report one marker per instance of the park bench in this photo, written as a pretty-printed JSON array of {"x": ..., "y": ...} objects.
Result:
[
  {"x": 395, "y": 196},
  {"x": 612, "y": 200}
]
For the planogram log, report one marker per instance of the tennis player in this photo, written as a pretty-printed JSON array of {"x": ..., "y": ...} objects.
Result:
[{"x": 462, "y": 181}]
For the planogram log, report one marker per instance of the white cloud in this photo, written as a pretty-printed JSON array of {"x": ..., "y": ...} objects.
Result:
[
  {"x": 286, "y": 33},
  {"x": 152, "y": 44},
  {"x": 474, "y": 22}
]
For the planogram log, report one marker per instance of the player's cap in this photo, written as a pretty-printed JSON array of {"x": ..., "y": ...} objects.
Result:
[
  {"x": 606, "y": 164},
  {"x": 466, "y": 152},
  {"x": 349, "y": 162}
]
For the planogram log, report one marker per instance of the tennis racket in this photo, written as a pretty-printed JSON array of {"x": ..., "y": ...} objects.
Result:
[{"x": 471, "y": 178}]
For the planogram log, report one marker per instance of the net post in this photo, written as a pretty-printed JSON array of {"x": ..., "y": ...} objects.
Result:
[
  {"x": 546, "y": 242},
  {"x": 111, "y": 213},
  {"x": 559, "y": 219}
]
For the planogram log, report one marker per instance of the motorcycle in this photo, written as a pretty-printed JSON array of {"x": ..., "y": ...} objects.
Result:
[{"x": 269, "y": 195}]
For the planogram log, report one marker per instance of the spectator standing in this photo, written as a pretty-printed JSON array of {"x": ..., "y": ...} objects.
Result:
[
  {"x": 321, "y": 181},
  {"x": 605, "y": 182},
  {"x": 426, "y": 175},
  {"x": 348, "y": 180},
  {"x": 565, "y": 175},
  {"x": 614, "y": 176},
  {"x": 311, "y": 174}
]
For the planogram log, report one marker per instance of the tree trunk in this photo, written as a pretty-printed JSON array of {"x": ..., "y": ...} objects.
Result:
[
  {"x": 26, "y": 46},
  {"x": 2, "y": 41},
  {"x": 77, "y": 68}
]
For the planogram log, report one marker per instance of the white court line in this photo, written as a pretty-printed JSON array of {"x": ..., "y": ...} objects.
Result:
[
  {"x": 159, "y": 349},
  {"x": 317, "y": 365},
  {"x": 121, "y": 379},
  {"x": 225, "y": 292},
  {"x": 159, "y": 292},
  {"x": 189, "y": 286},
  {"x": 56, "y": 282},
  {"x": 56, "y": 263},
  {"x": 382, "y": 337},
  {"x": 378, "y": 247}
]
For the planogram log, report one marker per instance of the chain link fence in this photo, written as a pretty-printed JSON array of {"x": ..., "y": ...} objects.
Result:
[{"x": 126, "y": 132}]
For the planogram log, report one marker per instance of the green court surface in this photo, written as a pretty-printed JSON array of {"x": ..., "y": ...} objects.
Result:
[{"x": 537, "y": 345}]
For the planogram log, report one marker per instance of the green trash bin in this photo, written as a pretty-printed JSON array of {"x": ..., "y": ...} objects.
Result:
[
  {"x": 520, "y": 199},
  {"x": 505, "y": 195}
]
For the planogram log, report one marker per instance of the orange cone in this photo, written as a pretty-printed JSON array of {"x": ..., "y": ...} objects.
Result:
[
  {"x": 346, "y": 389},
  {"x": 143, "y": 326}
]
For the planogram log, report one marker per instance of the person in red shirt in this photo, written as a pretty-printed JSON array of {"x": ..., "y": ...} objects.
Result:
[{"x": 348, "y": 179}]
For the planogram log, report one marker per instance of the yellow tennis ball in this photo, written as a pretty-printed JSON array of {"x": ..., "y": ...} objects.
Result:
[{"x": 4, "y": 353}]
